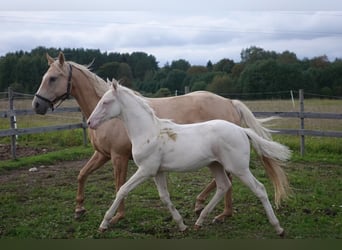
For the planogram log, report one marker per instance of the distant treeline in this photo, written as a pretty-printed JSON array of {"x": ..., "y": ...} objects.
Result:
[{"x": 259, "y": 72}]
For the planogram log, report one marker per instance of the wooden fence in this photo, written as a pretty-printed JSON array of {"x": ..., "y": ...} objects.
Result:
[{"x": 301, "y": 132}]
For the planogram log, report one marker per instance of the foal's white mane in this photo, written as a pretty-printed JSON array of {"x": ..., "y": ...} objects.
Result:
[{"x": 140, "y": 100}]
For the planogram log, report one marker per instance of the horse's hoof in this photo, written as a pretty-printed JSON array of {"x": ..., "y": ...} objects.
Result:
[
  {"x": 199, "y": 206},
  {"x": 102, "y": 229},
  {"x": 79, "y": 213},
  {"x": 197, "y": 227},
  {"x": 198, "y": 211},
  {"x": 221, "y": 218},
  {"x": 116, "y": 219}
]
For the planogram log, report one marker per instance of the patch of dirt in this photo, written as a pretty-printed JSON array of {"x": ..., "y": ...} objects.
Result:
[
  {"x": 43, "y": 173},
  {"x": 21, "y": 151}
]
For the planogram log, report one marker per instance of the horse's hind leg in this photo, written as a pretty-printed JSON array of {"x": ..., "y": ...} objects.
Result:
[
  {"x": 200, "y": 199},
  {"x": 259, "y": 190},
  {"x": 222, "y": 185},
  {"x": 120, "y": 165},
  {"x": 95, "y": 162},
  {"x": 228, "y": 207},
  {"x": 160, "y": 180}
]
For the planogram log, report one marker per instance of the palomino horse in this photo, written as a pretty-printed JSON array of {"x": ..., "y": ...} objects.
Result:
[
  {"x": 111, "y": 141},
  {"x": 158, "y": 146}
]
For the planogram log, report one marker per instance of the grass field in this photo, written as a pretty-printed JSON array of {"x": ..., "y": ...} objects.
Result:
[{"x": 40, "y": 204}]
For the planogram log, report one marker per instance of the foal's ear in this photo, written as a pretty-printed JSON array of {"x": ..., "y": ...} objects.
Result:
[
  {"x": 115, "y": 84},
  {"x": 49, "y": 59},
  {"x": 61, "y": 58}
]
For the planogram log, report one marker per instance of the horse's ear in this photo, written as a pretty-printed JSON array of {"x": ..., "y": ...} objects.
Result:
[
  {"x": 49, "y": 59},
  {"x": 61, "y": 58}
]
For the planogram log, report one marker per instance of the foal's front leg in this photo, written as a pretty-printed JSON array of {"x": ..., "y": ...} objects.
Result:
[
  {"x": 136, "y": 179},
  {"x": 160, "y": 180}
]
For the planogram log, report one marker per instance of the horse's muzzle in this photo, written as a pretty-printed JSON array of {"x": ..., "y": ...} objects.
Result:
[{"x": 39, "y": 106}]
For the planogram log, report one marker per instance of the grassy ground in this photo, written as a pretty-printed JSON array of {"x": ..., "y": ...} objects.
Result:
[{"x": 41, "y": 204}]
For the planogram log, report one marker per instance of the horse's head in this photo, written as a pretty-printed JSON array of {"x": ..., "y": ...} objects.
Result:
[
  {"x": 107, "y": 108},
  {"x": 55, "y": 86}
]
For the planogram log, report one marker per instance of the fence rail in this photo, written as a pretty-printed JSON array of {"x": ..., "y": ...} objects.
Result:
[{"x": 302, "y": 132}]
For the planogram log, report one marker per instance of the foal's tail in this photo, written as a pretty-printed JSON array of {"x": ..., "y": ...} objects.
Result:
[
  {"x": 251, "y": 121},
  {"x": 273, "y": 155}
]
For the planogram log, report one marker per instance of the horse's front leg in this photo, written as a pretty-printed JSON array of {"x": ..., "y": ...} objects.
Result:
[
  {"x": 161, "y": 182},
  {"x": 139, "y": 177},
  {"x": 120, "y": 165},
  {"x": 95, "y": 162}
]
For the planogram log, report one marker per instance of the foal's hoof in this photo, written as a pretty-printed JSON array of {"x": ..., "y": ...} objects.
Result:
[
  {"x": 197, "y": 227},
  {"x": 79, "y": 213},
  {"x": 102, "y": 229},
  {"x": 282, "y": 234}
]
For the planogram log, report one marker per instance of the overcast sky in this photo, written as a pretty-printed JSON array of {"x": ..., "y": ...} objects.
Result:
[{"x": 196, "y": 31}]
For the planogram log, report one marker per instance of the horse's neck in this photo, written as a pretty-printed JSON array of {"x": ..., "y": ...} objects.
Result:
[
  {"x": 140, "y": 123},
  {"x": 84, "y": 92}
]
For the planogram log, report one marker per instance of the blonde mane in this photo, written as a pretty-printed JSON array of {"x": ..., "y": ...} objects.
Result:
[{"x": 99, "y": 84}]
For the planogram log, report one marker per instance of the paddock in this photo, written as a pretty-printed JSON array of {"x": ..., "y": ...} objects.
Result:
[{"x": 39, "y": 205}]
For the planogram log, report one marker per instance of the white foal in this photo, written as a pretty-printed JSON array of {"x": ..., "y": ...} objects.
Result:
[{"x": 159, "y": 146}]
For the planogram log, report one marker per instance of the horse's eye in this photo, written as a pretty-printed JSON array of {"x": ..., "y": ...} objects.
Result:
[{"x": 53, "y": 79}]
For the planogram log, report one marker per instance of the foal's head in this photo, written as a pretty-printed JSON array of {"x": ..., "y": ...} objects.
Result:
[
  {"x": 107, "y": 108},
  {"x": 55, "y": 85}
]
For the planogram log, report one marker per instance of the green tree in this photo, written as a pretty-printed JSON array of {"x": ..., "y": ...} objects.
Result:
[
  {"x": 180, "y": 64},
  {"x": 224, "y": 65},
  {"x": 163, "y": 92},
  {"x": 174, "y": 80},
  {"x": 221, "y": 84},
  {"x": 253, "y": 54},
  {"x": 199, "y": 85},
  {"x": 196, "y": 70}
]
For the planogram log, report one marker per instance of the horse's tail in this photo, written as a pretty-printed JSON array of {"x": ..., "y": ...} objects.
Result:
[
  {"x": 273, "y": 155},
  {"x": 251, "y": 121}
]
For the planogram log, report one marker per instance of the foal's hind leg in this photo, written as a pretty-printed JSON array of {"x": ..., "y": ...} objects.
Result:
[
  {"x": 222, "y": 185},
  {"x": 160, "y": 180},
  {"x": 259, "y": 190}
]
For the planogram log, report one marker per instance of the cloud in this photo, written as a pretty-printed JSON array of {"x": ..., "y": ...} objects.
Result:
[{"x": 196, "y": 37}]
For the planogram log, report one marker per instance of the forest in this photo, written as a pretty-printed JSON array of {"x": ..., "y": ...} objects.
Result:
[{"x": 258, "y": 73}]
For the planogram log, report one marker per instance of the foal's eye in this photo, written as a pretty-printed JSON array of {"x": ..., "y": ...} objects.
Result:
[{"x": 53, "y": 79}]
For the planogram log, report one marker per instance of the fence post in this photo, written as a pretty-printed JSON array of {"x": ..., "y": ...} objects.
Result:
[
  {"x": 301, "y": 115},
  {"x": 12, "y": 122}
]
